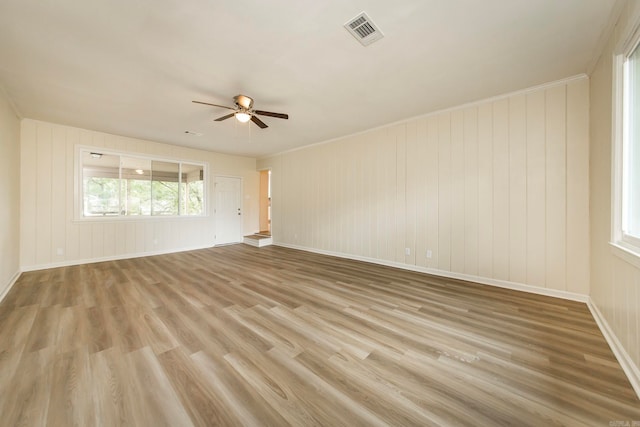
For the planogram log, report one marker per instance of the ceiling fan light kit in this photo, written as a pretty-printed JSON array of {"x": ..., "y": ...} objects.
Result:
[
  {"x": 244, "y": 111},
  {"x": 243, "y": 117}
]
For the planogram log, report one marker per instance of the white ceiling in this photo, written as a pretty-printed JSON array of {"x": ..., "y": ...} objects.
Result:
[{"x": 132, "y": 67}]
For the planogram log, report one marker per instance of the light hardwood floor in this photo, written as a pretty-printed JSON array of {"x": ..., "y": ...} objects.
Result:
[{"x": 239, "y": 335}]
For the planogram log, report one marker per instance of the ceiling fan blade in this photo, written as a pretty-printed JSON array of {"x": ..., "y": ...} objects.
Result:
[
  {"x": 213, "y": 105},
  {"x": 270, "y": 114},
  {"x": 228, "y": 116},
  {"x": 259, "y": 122}
]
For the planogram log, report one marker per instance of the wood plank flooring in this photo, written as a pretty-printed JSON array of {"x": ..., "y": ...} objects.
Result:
[{"x": 238, "y": 335}]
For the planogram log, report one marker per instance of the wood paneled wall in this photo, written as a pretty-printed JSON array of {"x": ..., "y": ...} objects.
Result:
[
  {"x": 47, "y": 220},
  {"x": 495, "y": 190},
  {"x": 615, "y": 282},
  {"x": 9, "y": 193}
]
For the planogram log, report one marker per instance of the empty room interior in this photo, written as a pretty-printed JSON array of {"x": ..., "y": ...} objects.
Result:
[{"x": 420, "y": 212}]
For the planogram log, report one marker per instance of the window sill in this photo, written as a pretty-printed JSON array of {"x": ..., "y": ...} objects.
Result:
[
  {"x": 627, "y": 254},
  {"x": 116, "y": 219}
]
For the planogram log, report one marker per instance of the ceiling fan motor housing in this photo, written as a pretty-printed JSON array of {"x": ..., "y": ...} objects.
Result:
[{"x": 243, "y": 101}]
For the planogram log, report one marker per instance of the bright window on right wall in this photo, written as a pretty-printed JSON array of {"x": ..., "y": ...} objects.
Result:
[{"x": 626, "y": 230}]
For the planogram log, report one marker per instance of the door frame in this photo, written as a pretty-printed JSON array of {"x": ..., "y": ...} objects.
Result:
[{"x": 215, "y": 207}]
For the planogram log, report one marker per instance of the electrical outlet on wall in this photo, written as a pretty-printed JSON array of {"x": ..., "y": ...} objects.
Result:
[
  {"x": 407, "y": 251},
  {"x": 60, "y": 251},
  {"x": 429, "y": 253}
]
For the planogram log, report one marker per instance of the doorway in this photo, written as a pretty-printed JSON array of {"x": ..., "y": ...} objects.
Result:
[{"x": 228, "y": 209}]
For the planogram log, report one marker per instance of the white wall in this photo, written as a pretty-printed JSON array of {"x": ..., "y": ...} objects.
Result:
[
  {"x": 47, "y": 204},
  {"x": 615, "y": 283},
  {"x": 9, "y": 194},
  {"x": 496, "y": 190}
]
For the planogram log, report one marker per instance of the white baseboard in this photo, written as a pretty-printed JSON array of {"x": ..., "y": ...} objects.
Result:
[
  {"x": 627, "y": 364},
  {"x": 109, "y": 258},
  {"x": 442, "y": 273},
  {"x": 12, "y": 282}
]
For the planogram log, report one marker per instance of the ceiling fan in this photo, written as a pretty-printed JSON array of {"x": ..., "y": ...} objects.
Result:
[{"x": 244, "y": 111}]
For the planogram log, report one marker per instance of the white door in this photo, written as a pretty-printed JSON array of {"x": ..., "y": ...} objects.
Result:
[{"x": 228, "y": 210}]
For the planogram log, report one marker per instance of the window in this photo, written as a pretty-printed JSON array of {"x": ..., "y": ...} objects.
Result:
[
  {"x": 631, "y": 148},
  {"x": 121, "y": 185},
  {"x": 626, "y": 230}
]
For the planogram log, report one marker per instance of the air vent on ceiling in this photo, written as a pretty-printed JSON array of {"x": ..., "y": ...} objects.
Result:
[{"x": 363, "y": 29}]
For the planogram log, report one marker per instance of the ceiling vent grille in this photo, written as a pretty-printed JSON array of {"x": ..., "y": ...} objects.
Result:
[{"x": 363, "y": 29}]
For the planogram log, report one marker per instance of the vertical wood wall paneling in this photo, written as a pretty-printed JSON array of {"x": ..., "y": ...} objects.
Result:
[
  {"x": 336, "y": 197},
  {"x": 28, "y": 186},
  {"x": 444, "y": 192},
  {"x": 371, "y": 212},
  {"x": 457, "y": 192},
  {"x": 72, "y": 235},
  {"x": 322, "y": 227},
  {"x": 431, "y": 187},
  {"x": 292, "y": 216},
  {"x": 304, "y": 193},
  {"x": 58, "y": 193},
  {"x": 289, "y": 208},
  {"x": 307, "y": 194},
  {"x": 471, "y": 191},
  {"x": 130, "y": 238},
  {"x": 109, "y": 239},
  {"x": 632, "y": 342},
  {"x": 353, "y": 211},
  {"x": 413, "y": 163},
  {"x": 49, "y": 232},
  {"x": 556, "y": 192},
  {"x": 284, "y": 200},
  {"x": 617, "y": 293},
  {"x": 141, "y": 239},
  {"x": 577, "y": 191},
  {"x": 320, "y": 214},
  {"x": 485, "y": 190},
  {"x": 358, "y": 216},
  {"x": 391, "y": 189},
  {"x": 121, "y": 238},
  {"x": 400, "y": 132},
  {"x": 634, "y": 324},
  {"x": 501, "y": 189},
  {"x": 381, "y": 183},
  {"x": 346, "y": 212},
  {"x": 348, "y": 198},
  {"x": 364, "y": 207},
  {"x": 518, "y": 189},
  {"x": 536, "y": 184},
  {"x": 97, "y": 240},
  {"x": 302, "y": 190},
  {"x": 421, "y": 193},
  {"x": 333, "y": 201},
  {"x": 43, "y": 193}
]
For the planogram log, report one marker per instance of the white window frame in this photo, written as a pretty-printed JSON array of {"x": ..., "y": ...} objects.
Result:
[
  {"x": 624, "y": 245},
  {"x": 79, "y": 186}
]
